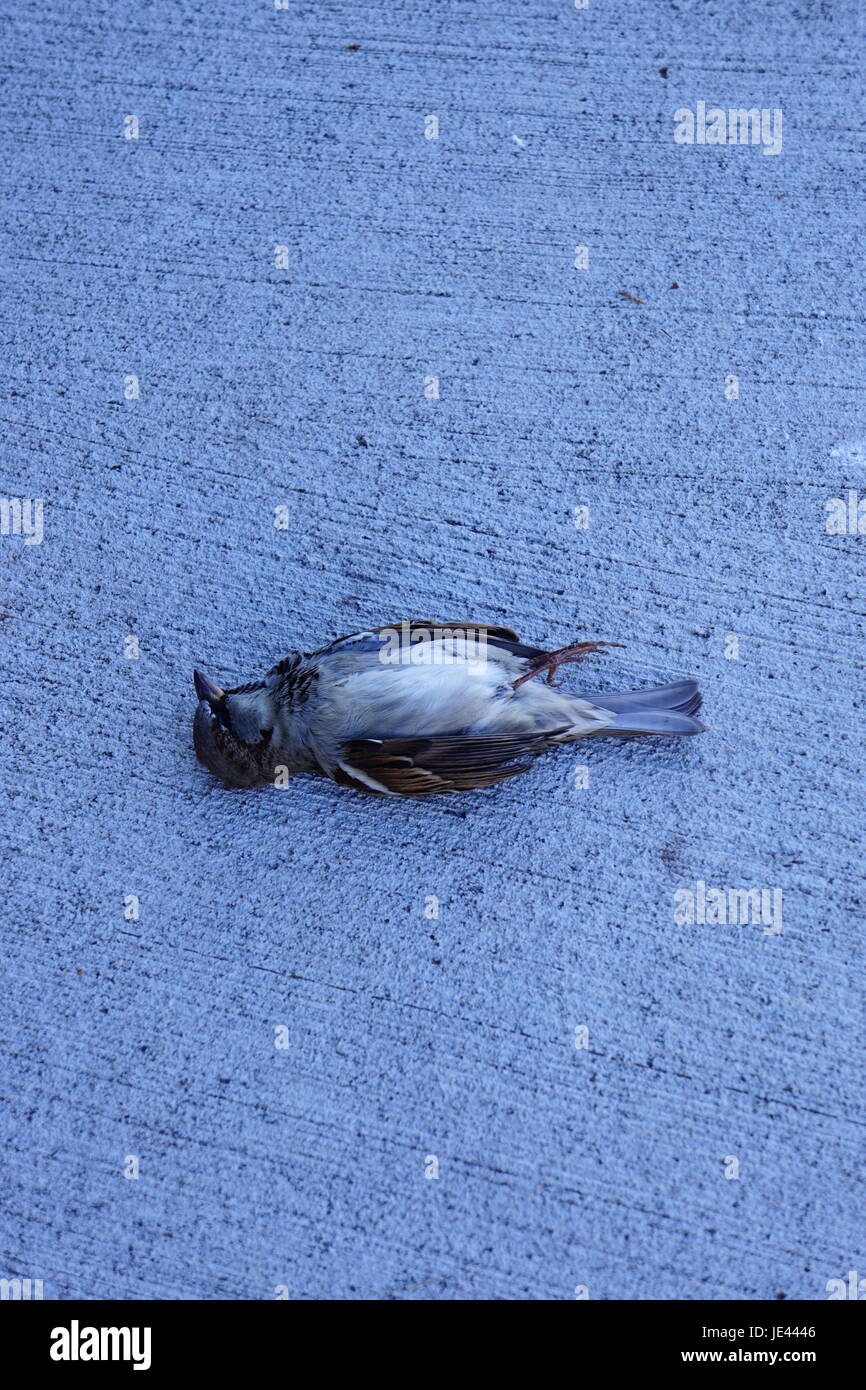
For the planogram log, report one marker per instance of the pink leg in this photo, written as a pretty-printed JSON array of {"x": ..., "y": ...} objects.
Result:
[{"x": 578, "y": 651}]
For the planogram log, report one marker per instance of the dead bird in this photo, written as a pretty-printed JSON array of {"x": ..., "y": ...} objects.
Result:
[{"x": 416, "y": 708}]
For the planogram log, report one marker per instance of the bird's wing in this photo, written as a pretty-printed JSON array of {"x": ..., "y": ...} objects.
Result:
[
  {"x": 500, "y": 640},
  {"x": 443, "y": 763}
]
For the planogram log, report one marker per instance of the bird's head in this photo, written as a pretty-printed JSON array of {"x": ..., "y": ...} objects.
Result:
[{"x": 232, "y": 731}]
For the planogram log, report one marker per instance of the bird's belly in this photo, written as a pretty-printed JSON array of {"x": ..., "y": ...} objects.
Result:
[{"x": 409, "y": 700}]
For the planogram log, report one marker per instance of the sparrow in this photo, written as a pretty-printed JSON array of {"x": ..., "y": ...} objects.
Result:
[{"x": 416, "y": 708}]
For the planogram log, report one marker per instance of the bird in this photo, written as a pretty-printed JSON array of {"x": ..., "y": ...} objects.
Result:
[{"x": 415, "y": 708}]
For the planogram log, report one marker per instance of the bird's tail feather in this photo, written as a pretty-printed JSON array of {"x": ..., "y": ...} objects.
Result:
[{"x": 666, "y": 709}]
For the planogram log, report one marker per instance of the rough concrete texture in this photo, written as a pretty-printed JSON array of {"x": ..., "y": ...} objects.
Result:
[{"x": 414, "y": 1037}]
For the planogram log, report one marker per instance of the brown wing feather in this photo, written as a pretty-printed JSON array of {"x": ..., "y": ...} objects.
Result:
[
  {"x": 507, "y": 633},
  {"x": 451, "y": 762},
  {"x": 504, "y": 637}
]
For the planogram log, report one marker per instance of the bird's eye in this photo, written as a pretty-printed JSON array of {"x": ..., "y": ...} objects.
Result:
[{"x": 218, "y": 715}]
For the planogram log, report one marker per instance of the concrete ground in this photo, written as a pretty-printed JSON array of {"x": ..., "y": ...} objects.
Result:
[{"x": 304, "y": 1043}]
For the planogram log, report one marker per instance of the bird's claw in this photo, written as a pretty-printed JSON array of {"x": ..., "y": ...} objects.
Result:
[{"x": 577, "y": 651}]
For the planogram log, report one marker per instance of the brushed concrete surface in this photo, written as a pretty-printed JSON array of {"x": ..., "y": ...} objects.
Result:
[{"x": 322, "y": 1000}]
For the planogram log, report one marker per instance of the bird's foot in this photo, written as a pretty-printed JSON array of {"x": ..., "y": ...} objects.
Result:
[{"x": 577, "y": 651}]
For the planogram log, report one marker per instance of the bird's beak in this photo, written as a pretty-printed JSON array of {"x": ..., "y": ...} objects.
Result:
[{"x": 207, "y": 689}]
